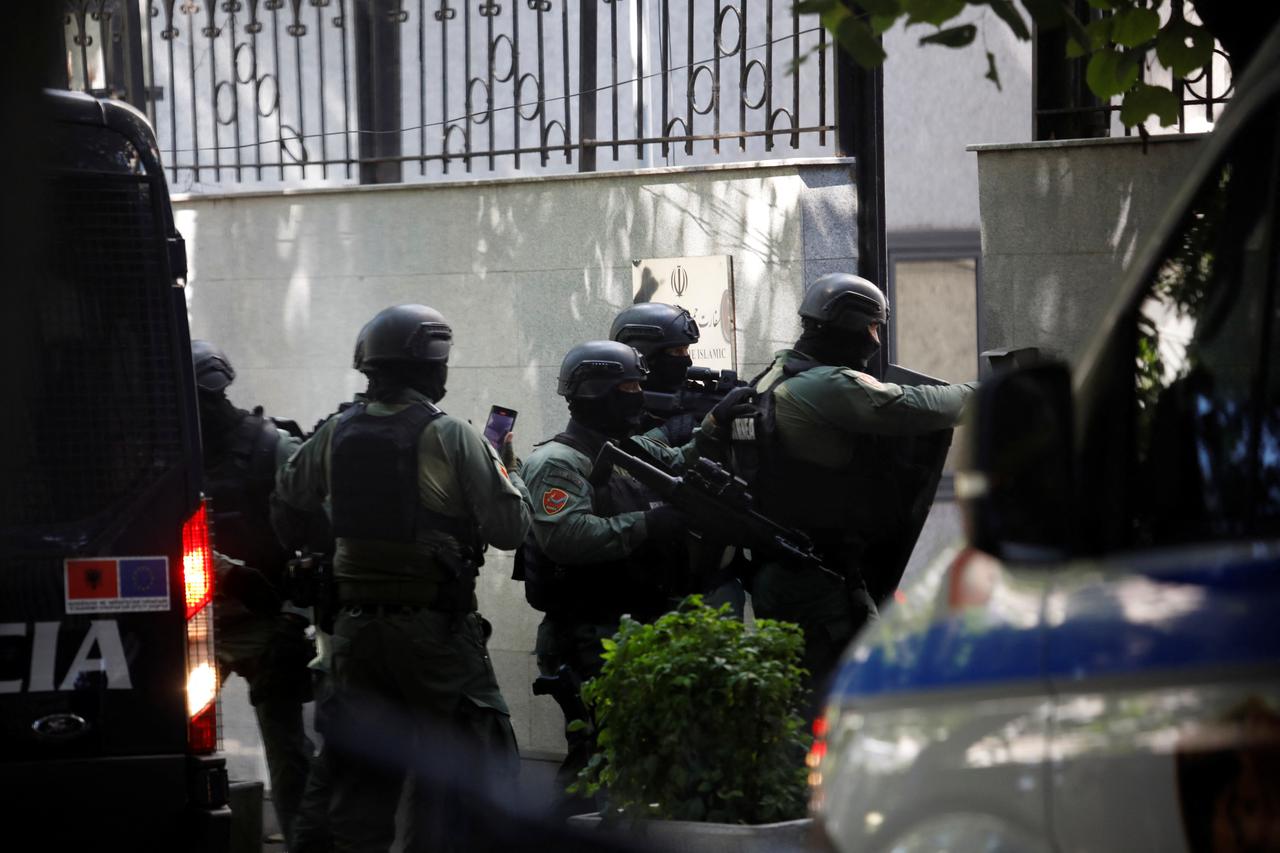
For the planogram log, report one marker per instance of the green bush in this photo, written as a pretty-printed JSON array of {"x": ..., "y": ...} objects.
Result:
[{"x": 697, "y": 720}]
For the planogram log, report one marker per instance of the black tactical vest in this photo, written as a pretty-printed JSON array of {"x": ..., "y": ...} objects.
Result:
[
  {"x": 602, "y": 591},
  {"x": 373, "y": 479},
  {"x": 840, "y": 509},
  {"x": 239, "y": 484}
]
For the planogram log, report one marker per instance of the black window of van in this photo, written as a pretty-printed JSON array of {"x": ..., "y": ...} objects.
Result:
[
  {"x": 1205, "y": 409},
  {"x": 93, "y": 418}
]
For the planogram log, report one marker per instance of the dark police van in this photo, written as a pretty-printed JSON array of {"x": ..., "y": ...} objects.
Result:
[{"x": 108, "y": 683}]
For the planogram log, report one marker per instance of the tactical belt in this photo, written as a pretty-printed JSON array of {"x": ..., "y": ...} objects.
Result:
[{"x": 424, "y": 594}]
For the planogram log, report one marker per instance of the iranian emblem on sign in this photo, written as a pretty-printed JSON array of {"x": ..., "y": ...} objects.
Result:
[
  {"x": 554, "y": 500},
  {"x": 679, "y": 280}
]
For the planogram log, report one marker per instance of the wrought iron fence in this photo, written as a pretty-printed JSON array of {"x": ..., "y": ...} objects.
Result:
[
  {"x": 261, "y": 92},
  {"x": 1064, "y": 107}
]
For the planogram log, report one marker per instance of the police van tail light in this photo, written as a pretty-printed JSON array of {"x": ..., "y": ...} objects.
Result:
[
  {"x": 202, "y": 668},
  {"x": 813, "y": 761}
]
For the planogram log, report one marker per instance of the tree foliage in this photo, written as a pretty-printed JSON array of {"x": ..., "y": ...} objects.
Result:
[
  {"x": 697, "y": 719},
  {"x": 1118, "y": 37}
]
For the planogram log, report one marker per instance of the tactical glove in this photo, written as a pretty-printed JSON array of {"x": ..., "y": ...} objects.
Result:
[
  {"x": 734, "y": 405},
  {"x": 664, "y": 523}
]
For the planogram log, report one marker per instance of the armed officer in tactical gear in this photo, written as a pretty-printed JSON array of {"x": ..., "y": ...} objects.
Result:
[
  {"x": 822, "y": 458},
  {"x": 597, "y": 550},
  {"x": 662, "y": 334},
  {"x": 415, "y": 496},
  {"x": 257, "y": 636}
]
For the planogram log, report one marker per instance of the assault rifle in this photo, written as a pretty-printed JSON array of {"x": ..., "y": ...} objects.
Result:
[
  {"x": 703, "y": 388},
  {"x": 717, "y": 503}
]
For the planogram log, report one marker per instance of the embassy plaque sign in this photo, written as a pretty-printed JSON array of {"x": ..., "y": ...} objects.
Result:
[{"x": 704, "y": 287}]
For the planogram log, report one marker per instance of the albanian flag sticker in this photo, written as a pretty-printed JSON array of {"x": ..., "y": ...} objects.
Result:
[{"x": 554, "y": 500}]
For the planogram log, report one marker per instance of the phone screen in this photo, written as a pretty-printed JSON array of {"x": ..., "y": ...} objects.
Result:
[{"x": 500, "y": 422}]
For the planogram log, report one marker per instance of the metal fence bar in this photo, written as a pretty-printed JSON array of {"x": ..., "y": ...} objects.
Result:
[
  {"x": 691, "y": 78},
  {"x": 613, "y": 66},
  {"x": 444, "y": 15},
  {"x": 664, "y": 49},
  {"x": 245, "y": 109},
  {"x": 742, "y": 75},
  {"x": 466, "y": 41},
  {"x": 587, "y": 21},
  {"x": 489, "y": 11},
  {"x": 568, "y": 115},
  {"x": 541, "y": 7},
  {"x": 715, "y": 74}
]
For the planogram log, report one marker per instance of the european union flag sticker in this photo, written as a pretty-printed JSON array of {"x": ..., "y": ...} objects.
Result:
[{"x": 144, "y": 582}]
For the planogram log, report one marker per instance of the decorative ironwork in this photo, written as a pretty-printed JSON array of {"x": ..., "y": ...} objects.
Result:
[
  {"x": 1064, "y": 108},
  {"x": 266, "y": 92}
]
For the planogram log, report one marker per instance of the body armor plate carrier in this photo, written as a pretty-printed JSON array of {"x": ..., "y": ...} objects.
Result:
[{"x": 373, "y": 470}]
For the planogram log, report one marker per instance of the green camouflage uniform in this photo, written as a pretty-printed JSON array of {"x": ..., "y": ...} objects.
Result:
[
  {"x": 429, "y": 663},
  {"x": 570, "y": 531},
  {"x": 824, "y": 416}
]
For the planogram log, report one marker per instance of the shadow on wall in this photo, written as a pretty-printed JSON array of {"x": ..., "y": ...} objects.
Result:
[
  {"x": 523, "y": 270},
  {"x": 1061, "y": 225}
]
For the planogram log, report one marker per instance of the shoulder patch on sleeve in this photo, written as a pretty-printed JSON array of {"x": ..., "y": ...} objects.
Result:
[
  {"x": 554, "y": 500},
  {"x": 867, "y": 379}
]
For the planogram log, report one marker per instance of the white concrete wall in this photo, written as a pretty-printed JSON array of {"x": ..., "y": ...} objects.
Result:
[
  {"x": 524, "y": 269},
  {"x": 1061, "y": 223}
]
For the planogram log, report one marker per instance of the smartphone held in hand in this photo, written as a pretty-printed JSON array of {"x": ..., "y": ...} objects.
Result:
[{"x": 500, "y": 422}]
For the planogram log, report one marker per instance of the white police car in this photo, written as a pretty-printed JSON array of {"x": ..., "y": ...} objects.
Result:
[{"x": 1099, "y": 668}]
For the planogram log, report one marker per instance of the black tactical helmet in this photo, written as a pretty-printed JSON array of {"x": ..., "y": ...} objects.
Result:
[
  {"x": 213, "y": 369},
  {"x": 357, "y": 357},
  {"x": 651, "y": 327},
  {"x": 593, "y": 369},
  {"x": 844, "y": 300},
  {"x": 403, "y": 334}
]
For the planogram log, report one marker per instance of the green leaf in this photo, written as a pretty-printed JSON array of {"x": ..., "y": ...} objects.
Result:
[
  {"x": 881, "y": 24},
  {"x": 1103, "y": 4},
  {"x": 953, "y": 37},
  {"x": 608, "y": 644},
  {"x": 576, "y": 726},
  {"x": 881, "y": 7},
  {"x": 992, "y": 74},
  {"x": 1099, "y": 32},
  {"x": 1146, "y": 100},
  {"x": 806, "y": 7},
  {"x": 1134, "y": 26},
  {"x": 936, "y": 12},
  {"x": 1074, "y": 50},
  {"x": 1010, "y": 15},
  {"x": 1110, "y": 72},
  {"x": 1183, "y": 47},
  {"x": 860, "y": 42}
]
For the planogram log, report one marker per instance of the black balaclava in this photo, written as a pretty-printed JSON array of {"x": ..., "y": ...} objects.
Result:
[
  {"x": 388, "y": 380},
  {"x": 218, "y": 421},
  {"x": 616, "y": 414},
  {"x": 835, "y": 345},
  {"x": 666, "y": 372}
]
